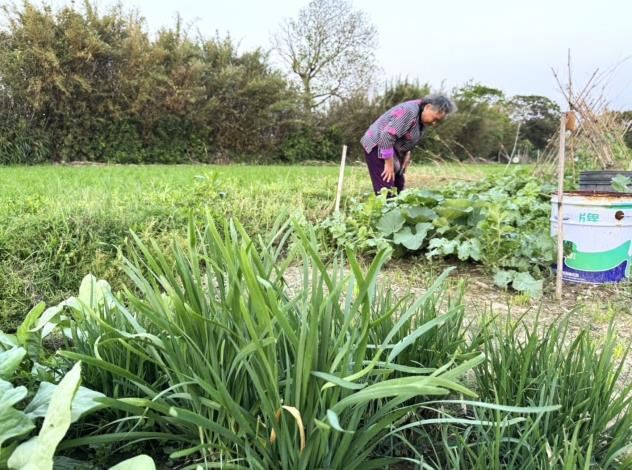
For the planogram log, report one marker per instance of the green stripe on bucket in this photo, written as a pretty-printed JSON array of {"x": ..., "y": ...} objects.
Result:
[{"x": 598, "y": 260}]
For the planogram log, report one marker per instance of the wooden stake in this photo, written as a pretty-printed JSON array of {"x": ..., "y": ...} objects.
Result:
[
  {"x": 560, "y": 216},
  {"x": 341, "y": 176}
]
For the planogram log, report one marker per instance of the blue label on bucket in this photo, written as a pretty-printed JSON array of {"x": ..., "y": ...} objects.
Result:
[{"x": 616, "y": 274}]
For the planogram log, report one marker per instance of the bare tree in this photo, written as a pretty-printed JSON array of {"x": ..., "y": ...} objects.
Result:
[{"x": 329, "y": 49}]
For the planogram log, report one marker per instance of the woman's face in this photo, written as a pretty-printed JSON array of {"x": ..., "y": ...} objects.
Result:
[{"x": 430, "y": 116}]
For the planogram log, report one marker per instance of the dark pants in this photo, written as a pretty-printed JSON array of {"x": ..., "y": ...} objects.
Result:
[{"x": 376, "y": 167}]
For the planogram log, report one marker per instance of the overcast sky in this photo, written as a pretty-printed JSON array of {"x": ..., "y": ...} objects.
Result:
[{"x": 504, "y": 44}]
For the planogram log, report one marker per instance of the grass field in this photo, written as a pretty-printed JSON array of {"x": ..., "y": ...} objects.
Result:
[
  {"x": 309, "y": 188},
  {"x": 59, "y": 222}
]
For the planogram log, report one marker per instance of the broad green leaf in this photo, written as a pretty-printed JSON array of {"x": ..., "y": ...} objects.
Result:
[
  {"x": 52, "y": 316},
  {"x": 29, "y": 322},
  {"x": 441, "y": 247},
  {"x": 423, "y": 197},
  {"x": 93, "y": 292},
  {"x": 503, "y": 278},
  {"x": 391, "y": 222},
  {"x": 85, "y": 401},
  {"x": 10, "y": 360},
  {"x": 423, "y": 227},
  {"x": 10, "y": 395},
  {"x": 31, "y": 341},
  {"x": 622, "y": 184},
  {"x": 469, "y": 249},
  {"x": 8, "y": 341},
  {"x": 417, "y": 214},
  {"x": 453, "y": 209},
  {"x": 140, "y": 462},
  {"x": 524, "y": 282},
  {"x": 13, "y": 423},
  {"x": 5, "y": 453},
  {"x": 405, "y": 237},
  {"x": 461, "y": 204},
  {"x": 412, "y": 241},
  {"x": 37, "y": 453},
  {"x": 442, "y": 225}
]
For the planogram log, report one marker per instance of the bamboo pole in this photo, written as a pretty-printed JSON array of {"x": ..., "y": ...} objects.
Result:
[
  {"x": 560, "y": 215},
  {"x": 341, "y": 176}
]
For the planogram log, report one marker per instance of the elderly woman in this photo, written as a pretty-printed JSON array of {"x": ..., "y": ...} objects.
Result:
[{"x": 390, "y": 139}]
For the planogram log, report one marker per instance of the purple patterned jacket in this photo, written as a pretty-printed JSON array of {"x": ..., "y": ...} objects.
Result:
[{"x": 395, "y": 132}]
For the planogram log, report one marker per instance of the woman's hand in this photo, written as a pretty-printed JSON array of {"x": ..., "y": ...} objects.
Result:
[{"x": 388, "y": 174}]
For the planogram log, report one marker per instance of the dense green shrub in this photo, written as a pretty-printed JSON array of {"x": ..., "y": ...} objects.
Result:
[
  {"x": 78, "y": 84},
  {"x": 313, "y": 145}
]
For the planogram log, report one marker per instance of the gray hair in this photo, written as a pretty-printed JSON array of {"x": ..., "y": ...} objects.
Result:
[{"x": 441, "y": 103}]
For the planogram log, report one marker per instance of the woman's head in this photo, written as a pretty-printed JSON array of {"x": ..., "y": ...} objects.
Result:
[{"x": 436, "y": 109}]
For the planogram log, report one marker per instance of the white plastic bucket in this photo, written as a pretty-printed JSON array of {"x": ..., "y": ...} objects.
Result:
[{"x": 597, "y": 236}]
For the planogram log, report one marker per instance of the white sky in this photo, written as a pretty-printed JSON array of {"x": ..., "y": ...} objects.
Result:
[{"x": 506, "y": 44}]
